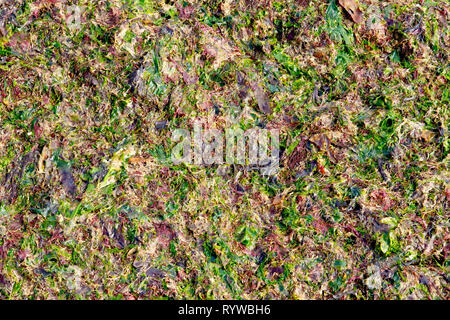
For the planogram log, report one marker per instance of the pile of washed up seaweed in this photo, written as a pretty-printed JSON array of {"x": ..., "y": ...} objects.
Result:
[{"x": 92, "y": 208}]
